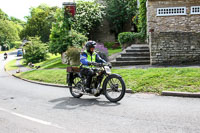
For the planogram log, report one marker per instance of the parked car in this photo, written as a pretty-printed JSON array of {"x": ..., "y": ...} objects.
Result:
[{"x": 19, "y": 52}]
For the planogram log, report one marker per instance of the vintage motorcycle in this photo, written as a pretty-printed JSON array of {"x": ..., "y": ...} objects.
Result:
[
  {"x": 5, "y": 56},
  {"x": 113, "y": 86}
]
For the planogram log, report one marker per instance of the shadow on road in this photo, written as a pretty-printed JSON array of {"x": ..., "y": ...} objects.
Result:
[{"x": 73, "y": 103}]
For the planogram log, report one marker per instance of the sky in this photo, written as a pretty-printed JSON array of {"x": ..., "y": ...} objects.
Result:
[{"x": 20, "y": 8}]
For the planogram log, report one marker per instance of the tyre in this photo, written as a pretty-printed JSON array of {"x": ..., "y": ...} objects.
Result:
[
  {"x": 76, "y": 89},
  {"x": 114, "y": 88}
]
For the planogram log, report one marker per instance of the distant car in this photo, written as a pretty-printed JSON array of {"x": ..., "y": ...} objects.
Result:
[{"x": 19, "y": 53}]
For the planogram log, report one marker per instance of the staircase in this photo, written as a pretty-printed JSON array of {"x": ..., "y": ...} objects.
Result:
[{"x": 136, "y": 54}]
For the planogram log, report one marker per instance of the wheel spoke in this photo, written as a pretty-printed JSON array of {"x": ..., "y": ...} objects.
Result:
[{"x": 114, "y": 88}]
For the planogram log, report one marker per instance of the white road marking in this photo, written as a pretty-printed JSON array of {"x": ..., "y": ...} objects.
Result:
[{"x": 31, "y": 118}]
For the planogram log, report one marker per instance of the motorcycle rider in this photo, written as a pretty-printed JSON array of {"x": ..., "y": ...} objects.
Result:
[
  {"x": 5, "y": 55},
  {"x": 87, "y": 59}
]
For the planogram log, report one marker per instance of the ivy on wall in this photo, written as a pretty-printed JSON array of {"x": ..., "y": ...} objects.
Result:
[{"x": 142, "y": 18}]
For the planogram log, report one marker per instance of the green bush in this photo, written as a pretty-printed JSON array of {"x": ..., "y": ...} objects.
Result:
[
  {"x": 16, "y": 44},
  {"x": 109, "y": 44},
  {"x": 89, "y": 15},
  {"x": 35, "y": 50},
  {"x": 77, "y": 39},
  {"x": 73, "y": 55},
  {"x": 127, "y": 38}
]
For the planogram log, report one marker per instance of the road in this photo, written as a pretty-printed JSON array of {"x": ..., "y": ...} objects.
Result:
[{"x": 31, "y": 108}]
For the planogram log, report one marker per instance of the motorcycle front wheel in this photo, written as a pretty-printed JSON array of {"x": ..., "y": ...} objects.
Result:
[
  {"x": 114, "y": 88},
  {"x": 75, "y": 88}
]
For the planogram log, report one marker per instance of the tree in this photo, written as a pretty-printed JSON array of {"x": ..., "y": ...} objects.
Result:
[
  {"x": 35, "y": 50},
  {"x": 119, "y": 12},
  {"x": 3, "y": 15},
  {"x": 61, "y": 38},
  {"x": 17, "y": 21},
  {"x": 88, "y": 16},
  {"x": 8, "y": 32},
  {"x": 39, "y": 22}
]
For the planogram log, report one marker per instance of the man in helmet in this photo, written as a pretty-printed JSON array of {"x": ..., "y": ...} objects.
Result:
[{"x": 87, "y": 58}]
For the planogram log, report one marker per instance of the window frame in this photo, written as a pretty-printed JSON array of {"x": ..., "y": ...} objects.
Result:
[
  {"x": 193, "y": 7},
  {"x": 169, "y": 11}
]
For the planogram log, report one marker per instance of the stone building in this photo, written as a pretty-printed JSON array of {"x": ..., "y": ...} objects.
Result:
[{"x": 174, "y": 31}]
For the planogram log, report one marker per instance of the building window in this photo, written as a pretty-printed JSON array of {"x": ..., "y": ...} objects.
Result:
[
  {"x": 195, "y": 10},
  {"x": 171, "y": 11}
]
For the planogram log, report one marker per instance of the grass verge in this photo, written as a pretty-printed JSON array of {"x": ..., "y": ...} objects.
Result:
[
  {"x": 11, "y": 65},
  {"x": 113, "y": 51},
  {"x": 49, "y": 76},
  {"x": 139, "y": 80}
]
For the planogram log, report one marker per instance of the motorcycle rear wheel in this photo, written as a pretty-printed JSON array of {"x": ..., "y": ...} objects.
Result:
[
  {"x": 114, "y": 88},
  {"x": 75, "y": 88}
]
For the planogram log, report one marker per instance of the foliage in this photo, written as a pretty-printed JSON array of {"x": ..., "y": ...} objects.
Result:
[
  {"x": 102, "y": 51},
  {"x": 89, "y": 15},
  {"x": 9, "y": 30},
  {"x": 16, "y": 44},
  {"x": 8, "y": 33},
  {"x": 39, "y": 22},
  {"x": 3, "y": 15},
  {"x": 129, "y": 37},
  {"x": 77, "y": 39},
  {"x": 120, "y": 12},
  {"x": 73, "y": 55},
  {"x": 109, "y": 44},
  {"x": 61, "y": 38},
  {"x": 17, "y": 21},
  {"x": 142, "y": 19},
  {"x": 35, "y": 50}
]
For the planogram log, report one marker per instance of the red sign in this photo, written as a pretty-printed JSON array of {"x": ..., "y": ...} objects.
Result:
[{"x": 71, "y": 9}]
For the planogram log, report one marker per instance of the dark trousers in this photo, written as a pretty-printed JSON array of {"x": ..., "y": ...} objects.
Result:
[{"x": 88, "y": 73}]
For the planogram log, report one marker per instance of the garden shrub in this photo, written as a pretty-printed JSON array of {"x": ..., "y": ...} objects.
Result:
[
  {"x": 73, "y": 55},
  {"x": 77, "y": 39},
  {"x": 109, "y": 44},
  {"x": 127, "y": 38},
  {"x": 16, "y": 44},
  {"x": 35, "y": 50}
]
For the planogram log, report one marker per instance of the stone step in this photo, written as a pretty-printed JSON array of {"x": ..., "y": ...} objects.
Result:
[
  {"x": 135, "y": 54},
  {"x": 128, "y": 63},
  {"x": 140, "y": 45},
  {"x": 143, "y": 58},
  {"x": 137, "y": 50},
  {"x": 143, "y": 46}
]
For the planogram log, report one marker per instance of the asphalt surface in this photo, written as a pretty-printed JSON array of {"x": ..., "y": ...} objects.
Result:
[{"x": 32, "y": 108}]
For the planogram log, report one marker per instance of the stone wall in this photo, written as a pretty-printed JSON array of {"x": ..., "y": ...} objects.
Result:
[
  {"x": 173, "y": 39},
  {"x": 183, "y": 23},
  {"x": 175, "y": 48}
]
